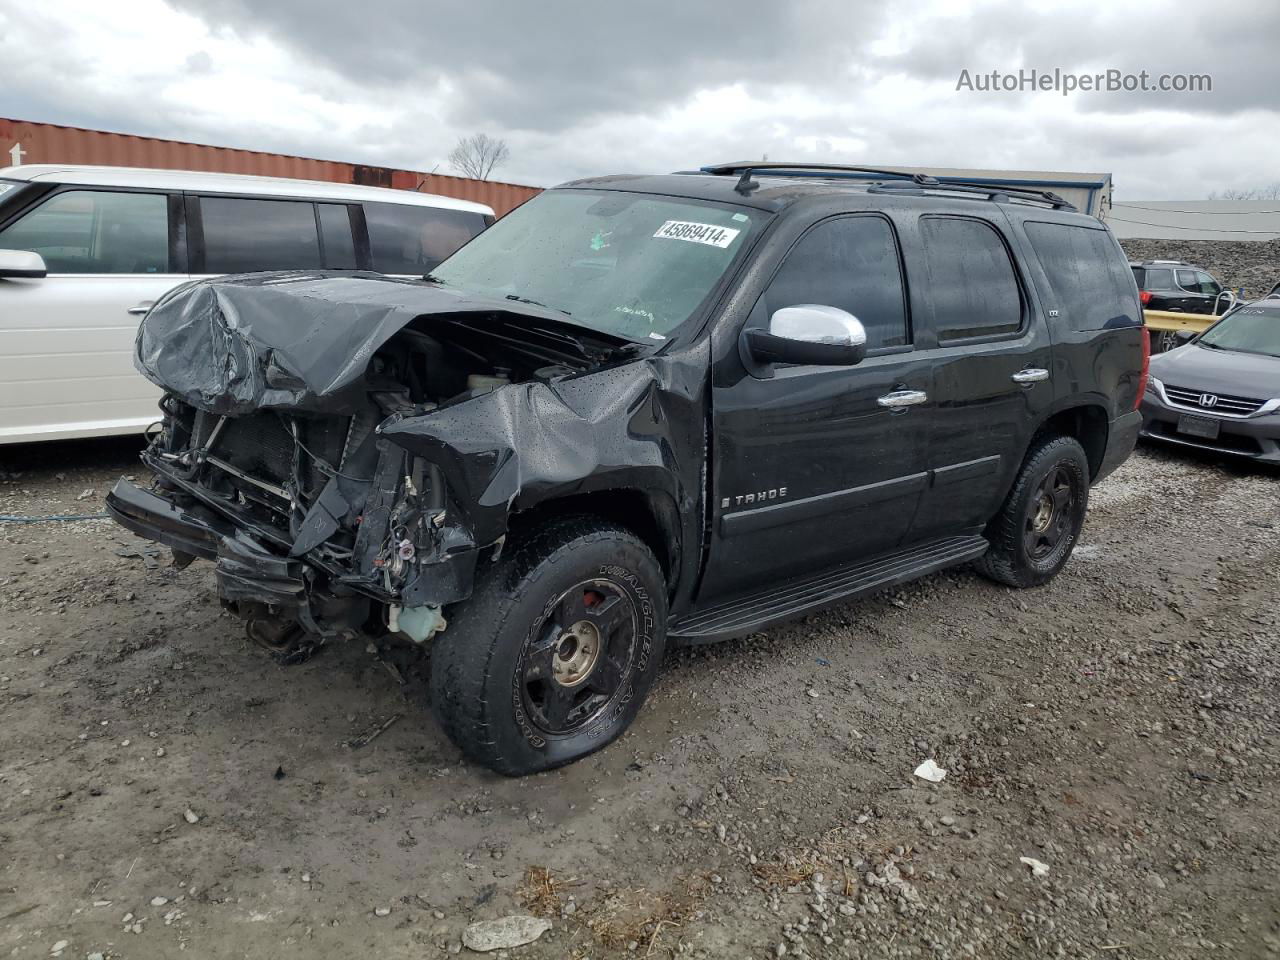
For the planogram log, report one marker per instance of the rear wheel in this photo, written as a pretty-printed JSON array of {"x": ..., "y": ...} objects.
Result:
[
  {"x": 553, "y": 654},
  {"x": 1037, "y": 527}
]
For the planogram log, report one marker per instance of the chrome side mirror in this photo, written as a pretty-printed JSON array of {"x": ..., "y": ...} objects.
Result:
[
  {"x": 22, "y": 264},
  {"x": 810, "y": 333}
]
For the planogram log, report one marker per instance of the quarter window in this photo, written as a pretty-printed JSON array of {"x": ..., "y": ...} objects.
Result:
[
  {"x": 1089, "y": 285},
  {"x": 243, "y": 236},
  {"x": 851, "y": 263},
  {"x": 92, "y": 231},
  {"x": 408, "y": 239},
  {"x": 335, "y": 231},
  {"x": 975, "y": 291}
]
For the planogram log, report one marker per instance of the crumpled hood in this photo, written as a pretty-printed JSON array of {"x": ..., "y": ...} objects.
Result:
[
  {"x": 1226, "y": 372},
  {"x": 288, "y": 340}
]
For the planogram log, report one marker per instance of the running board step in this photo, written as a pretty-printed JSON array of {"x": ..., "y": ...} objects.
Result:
[{"x": 735, "y": 618}]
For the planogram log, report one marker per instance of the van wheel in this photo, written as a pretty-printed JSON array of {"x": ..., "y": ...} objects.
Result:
[
  {"x": 553, "y": 654},
  {"x": 1037, "y": 527}
]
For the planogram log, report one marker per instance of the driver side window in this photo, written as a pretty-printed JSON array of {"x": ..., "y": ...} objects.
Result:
[{"x": 851, "y": 263}]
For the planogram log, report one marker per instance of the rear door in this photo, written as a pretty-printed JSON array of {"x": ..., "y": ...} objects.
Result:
[
  {"x": 247, "y": 234},
  {"x": 1196, "y": 296},
  {"x": 66, "y": 340},
  {"x": 992, "y": 363}
]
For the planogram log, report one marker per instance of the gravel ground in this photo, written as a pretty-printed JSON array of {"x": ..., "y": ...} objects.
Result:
[{"x": 166, "y": 788}]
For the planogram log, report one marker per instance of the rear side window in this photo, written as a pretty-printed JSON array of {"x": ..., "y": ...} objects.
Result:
[
  {"x": 243, "y": 236},
  {"x": 413, "y": 239},
  {"x": 1159, "y": 279},
  {"x": 1090, "y": 287},
  {"x": 93, "y": 231},
  {"x": 851, "y": 263},
  {"x": 974, "y": 288}
]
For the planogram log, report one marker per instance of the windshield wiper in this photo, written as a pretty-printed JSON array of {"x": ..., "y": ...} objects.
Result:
[
  {"x": 432, "y": 278},
  {"x": 534, "y": 303}
]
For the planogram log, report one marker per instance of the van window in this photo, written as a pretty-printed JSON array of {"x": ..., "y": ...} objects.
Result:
[
  {"x": 243, "y": 236},
  {"x": 413, "y": 239},
  {"x": 91, "y": 231},
  {"x": 974, "y": 288},
  {"x": 335, "y": 232},
  {"x": 851, "y": 263},
  {"x": 1090, "y": 287}
]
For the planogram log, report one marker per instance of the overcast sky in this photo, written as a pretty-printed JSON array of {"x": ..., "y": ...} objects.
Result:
[{"x": 608, "y": 87}]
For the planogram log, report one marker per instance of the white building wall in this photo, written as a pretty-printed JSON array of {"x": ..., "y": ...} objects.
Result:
[{"x": 1196, "y": 219}]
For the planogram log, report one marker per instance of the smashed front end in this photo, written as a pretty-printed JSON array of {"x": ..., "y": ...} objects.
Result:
[{"x": 345, "y": 448}]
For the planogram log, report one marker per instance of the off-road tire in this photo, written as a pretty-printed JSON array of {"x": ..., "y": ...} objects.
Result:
[
  {"x": 477, "y": 663},
  {"x": 1008, "y": 560}
]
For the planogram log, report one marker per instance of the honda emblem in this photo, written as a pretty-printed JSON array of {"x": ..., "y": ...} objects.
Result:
[{"x": 1208, "y": 400}]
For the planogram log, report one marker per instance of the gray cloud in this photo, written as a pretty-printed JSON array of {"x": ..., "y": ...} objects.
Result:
[
  {"x": 547, "y": 66},
  {"x": 1233, "y": 41},
  {"x": 579, "y": 90}
]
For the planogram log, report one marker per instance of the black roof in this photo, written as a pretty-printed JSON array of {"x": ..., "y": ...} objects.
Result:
[{"x": 775, "y": 193}]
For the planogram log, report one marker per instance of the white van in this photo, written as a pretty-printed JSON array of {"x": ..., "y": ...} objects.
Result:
[{"x": 85, "y": 251}]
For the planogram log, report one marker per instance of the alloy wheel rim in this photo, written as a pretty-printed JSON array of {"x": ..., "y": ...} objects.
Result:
[
  {"x": 579, "y": 658},
  {"x": 1052, "y": 512}
]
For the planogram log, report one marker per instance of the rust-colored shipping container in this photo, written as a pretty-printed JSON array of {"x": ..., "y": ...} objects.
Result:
[{"x": 22, "y": 141}]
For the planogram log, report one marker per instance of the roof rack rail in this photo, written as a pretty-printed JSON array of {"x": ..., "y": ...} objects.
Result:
[
  {"x": 746, "y": 183},
  {"x": 992, "y": 191},
  {"x": 745, "y": 168}
]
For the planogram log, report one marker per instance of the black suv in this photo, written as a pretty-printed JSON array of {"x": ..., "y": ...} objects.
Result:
[
  {"x": 1177, "y": 286},
  {"x": 641, "y": 411}
]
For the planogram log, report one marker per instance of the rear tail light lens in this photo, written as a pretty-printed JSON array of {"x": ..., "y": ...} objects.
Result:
[
  {"x": 1144, "y": 296},
  {"x": 1146, "y": 366}
]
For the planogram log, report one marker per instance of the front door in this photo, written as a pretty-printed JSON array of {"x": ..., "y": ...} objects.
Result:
[
  {"x": 815, "y": 465},
  {"x": 66, "y": 339}
]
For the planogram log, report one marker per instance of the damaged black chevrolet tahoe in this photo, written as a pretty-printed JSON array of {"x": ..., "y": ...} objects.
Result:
[{"x": 638, "y": 412}]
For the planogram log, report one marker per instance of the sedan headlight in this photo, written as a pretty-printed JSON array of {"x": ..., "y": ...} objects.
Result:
[{"x": 1154, "y": 387}]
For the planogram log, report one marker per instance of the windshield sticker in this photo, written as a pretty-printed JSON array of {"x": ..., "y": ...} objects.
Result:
[
  {"x": 707, "y": 233},
  {"x": 741, "y": 217},
  {"x": 636, "y": 312}
]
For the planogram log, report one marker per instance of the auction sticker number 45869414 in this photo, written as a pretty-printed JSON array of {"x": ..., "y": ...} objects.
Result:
[{"x": 707, "y": 233}]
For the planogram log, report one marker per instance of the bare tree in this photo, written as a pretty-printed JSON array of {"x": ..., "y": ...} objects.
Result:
[
  {"x": 476, "y": 156},
  {"x": 1269, "y": 192}
]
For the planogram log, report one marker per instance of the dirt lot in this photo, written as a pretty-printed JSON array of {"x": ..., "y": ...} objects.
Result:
[{"x": 1119, "y": 725}]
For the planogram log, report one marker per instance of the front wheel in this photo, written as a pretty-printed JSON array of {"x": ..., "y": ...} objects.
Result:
[
  {"x": 1040, "y": 521},
  {"x": 553, "y": 654}
]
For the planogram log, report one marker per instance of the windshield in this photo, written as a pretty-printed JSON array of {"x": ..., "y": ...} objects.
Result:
[
  {"x": 629, "y": 264},
  {"x": 1248, "y": 330}
]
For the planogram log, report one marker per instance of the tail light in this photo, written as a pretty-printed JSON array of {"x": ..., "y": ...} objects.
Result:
[
  {"x": 1144, "y": 296},
  {"x": 1146, "y": 366}
]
